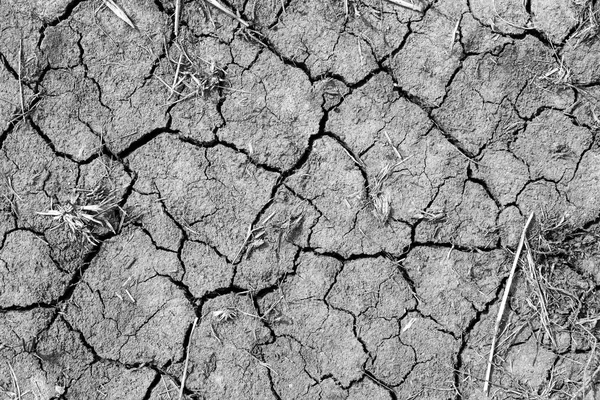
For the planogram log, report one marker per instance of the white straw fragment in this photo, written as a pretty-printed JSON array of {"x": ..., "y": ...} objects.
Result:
[
  {"x": 486, "y": 385},
  {"x": 115, "y": 8}
]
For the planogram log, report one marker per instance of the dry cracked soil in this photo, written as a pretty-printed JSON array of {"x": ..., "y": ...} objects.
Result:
[{"x": 309, "y": 199}]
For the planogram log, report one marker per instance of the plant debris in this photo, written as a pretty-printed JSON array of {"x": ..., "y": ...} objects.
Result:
[{"x": 85, "y": 211}]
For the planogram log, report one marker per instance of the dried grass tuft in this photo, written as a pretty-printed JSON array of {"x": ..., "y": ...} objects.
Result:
[
  {"x": 588, "y": 25},
  {"x": 228, "y": 12},
  {"x": 380, "y": 200},
  {"x": 226, "y": 314},
  {"x": 194, "y": 79},
  {"x": 86, "y": 212},
  {"x": 382, "y": 206},
  {"x": 488, "y": 373},
  {"x": 559, "y": 75},
  {"x": 25, "y": 105},
  {"x": 559, "y": 304},
  {"x": 562, "y": 300},
  {"x": 255, "y": 238}
]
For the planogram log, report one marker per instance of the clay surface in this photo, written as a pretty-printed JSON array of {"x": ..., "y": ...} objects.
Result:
[{"x": 323, "y": 204}]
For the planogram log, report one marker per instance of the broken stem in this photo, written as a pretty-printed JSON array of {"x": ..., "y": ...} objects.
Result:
[
  {"x": 407, "y": 4},
  {"x": 177, "y": 16},
  {"x": 187, "y": 359},
  {"x": 486, "y": 385},
  {"x": 15, "y": 381},
  {"x": 175, "y": 82},
  {"x": 225, "y": 10},
  {"x": 119, "y": 12},
  {"x": 21, "y": 98}
]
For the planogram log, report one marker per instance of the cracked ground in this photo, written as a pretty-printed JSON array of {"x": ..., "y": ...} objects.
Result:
[{"x": 335, "y": 218}]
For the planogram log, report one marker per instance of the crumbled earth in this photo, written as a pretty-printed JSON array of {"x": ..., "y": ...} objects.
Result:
[{"x": 322, "y": 205}]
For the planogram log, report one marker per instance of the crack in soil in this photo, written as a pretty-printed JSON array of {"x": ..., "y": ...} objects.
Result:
[{"x": 262, "y": 299}]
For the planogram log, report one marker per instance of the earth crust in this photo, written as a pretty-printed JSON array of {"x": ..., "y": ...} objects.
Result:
[{"x": 335, "y": 219}]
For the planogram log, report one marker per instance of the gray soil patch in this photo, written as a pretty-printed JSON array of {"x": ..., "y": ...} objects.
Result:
[{"x": 298, "y": 199}]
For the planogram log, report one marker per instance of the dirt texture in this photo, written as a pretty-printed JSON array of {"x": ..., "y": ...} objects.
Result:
[{"x": 324, "y": 204}]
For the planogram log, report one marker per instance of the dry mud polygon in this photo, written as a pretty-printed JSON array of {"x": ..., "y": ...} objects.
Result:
[{"x": 338, "y": 215}]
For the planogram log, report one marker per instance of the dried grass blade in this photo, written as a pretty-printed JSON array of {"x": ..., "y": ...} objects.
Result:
[
  {"x": 21, "y": 98},
  {"x": 393, "y": 147},
  {"x": 118, "y": 11},
  {"x": 168, "y": 86},
  {"x": 454, "y": 32},
  {"x": 177, "y": 16},
  {"x": 49, "y": 213},
  {"x": 15, "y": 381},
  {"x": 407, "y": 4},
  {"x": 228, "y": 12},
  {"x": 486, "y": 385},
  {"x": 541, "y": 295},
  {"x": 187, "y": 359},
  {"x": 175, "y": 82}
]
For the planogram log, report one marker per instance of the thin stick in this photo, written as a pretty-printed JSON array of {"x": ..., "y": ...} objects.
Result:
[
  {"x": 356, "y": 160},
  {"x": 454, "y": 32},
  {"x": 167, "y": 390},
  {"x": 130, "y": 296},
  {"x": 393, "y": 147},
  {"x": 177, "y": 16},
  {"x": 187, "y": 359},
  {"x": 175, "y": 83},
  {"x": 15, "y": 381},
  {"x": 486, "y": 385},
  {"x": 21, "y": 99}
]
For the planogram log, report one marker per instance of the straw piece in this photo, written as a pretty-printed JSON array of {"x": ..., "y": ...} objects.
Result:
[
  {"x": 177, "y": 16},
  {"x": 21, "y": 98},
  {"x": 486, "y": 385},
  {"x": 407, "y": 4},
  {"x": 115, "y": 8},
  {"x": 187, "y": 359},
  {"x": 228, "y": 12}
]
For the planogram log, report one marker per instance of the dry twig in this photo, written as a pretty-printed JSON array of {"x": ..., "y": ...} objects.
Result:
[
  {"x": 21, "y": 98},
  {"x": 486, "y": 385},
  {"x": 187, "y": 359},
  {"x": 177, "y": 16},
  {"x": 191, "y": 79}
]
